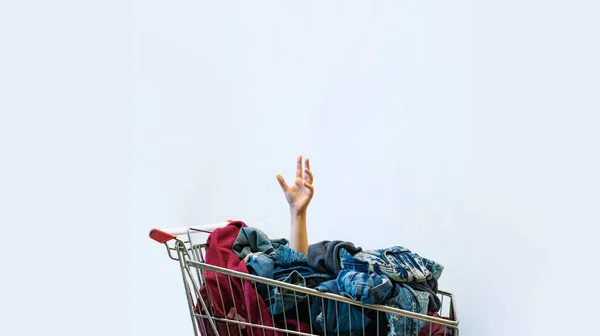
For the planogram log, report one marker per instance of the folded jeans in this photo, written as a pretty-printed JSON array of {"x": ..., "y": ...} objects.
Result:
[{"x": 397, "y": 263}]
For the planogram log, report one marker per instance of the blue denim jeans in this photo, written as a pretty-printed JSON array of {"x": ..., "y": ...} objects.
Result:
[
  {"x": 364, "y": 287},
  {"x": 286, "y": 257},
  {"x": 307, "y": 273},
  {"x": 336, "y": 317},
  {"x": 262, "y": 265},
  {"x": 409, "y": 299},
  {"x": 397, "y": 263},
  {"x": 276, "y": 299},
  {"x": 279, "y": 299},
  {"x": 404, "y": 268}
]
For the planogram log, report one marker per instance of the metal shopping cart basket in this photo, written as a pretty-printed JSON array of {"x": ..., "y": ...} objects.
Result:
[{"x": 187, "y": 245}]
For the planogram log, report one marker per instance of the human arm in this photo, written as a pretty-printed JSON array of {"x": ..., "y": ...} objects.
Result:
[{"x": 298, "y": 196}]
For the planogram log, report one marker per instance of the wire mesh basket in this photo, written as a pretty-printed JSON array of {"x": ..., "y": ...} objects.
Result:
[{"x": 224, "y": 301}]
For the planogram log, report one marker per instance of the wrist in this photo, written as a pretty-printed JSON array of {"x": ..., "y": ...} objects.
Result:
[{"x": 297, "y": 213}]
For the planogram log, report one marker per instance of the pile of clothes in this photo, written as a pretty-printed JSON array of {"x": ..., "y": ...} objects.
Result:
[{"x": 392, "y": 276}]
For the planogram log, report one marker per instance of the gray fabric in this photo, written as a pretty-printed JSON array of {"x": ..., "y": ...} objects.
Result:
[
  {"x": 431, "y": 287},
  {"x": 252, "y": 240},
  {"x": 324, "y": 257}
]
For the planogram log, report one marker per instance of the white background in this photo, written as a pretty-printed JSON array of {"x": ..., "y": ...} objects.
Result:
[{"x": 467, "y": 133}]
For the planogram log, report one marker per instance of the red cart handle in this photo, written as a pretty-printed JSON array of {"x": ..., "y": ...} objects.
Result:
[{"x": 161, "y": 236}]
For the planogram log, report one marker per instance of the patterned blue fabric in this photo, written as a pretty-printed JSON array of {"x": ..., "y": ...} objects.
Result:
[
  {"x": 283, "y": 299},
  {"x": 397, "y": 263},
  {"x": 287, "y": 257},
  {"x": 404, "y": 268},
  {"x": 334, "y": 317},
  {"x": 391, "y": 276},
  {"x": 306, "y": 272},
  {"x": 406, "y": 298},
  {"x": 260, "y": 264},
  {"x": 278, "y": 299},
  {"x": 364, "y": 287}
]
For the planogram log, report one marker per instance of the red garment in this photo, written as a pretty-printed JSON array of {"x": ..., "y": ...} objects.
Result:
[
  {"x": 435, "y": 329},
  {"x": 238, "y": 299},
  {"x": 295, "y": 319}
]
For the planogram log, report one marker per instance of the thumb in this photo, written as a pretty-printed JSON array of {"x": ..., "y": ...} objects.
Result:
[{"x": 282, "y": 183}]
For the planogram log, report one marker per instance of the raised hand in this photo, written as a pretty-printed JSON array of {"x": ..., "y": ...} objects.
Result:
[{"x": 301, "y": 192}]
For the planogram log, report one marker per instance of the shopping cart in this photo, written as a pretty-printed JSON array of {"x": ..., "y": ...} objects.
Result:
[{"x": 187, "y": 245}]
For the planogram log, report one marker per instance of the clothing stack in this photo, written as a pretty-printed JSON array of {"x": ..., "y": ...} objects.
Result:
[{"x": 392, "y": 276}]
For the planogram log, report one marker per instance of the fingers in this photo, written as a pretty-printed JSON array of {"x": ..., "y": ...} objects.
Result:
[
  {"x": 299, "y": 167},
  {"x": 307, "y": 164},
  {"x": 309, "y": 187},
  {"x": 282, "y": 183},
  {"x": 309, "y": 176}
]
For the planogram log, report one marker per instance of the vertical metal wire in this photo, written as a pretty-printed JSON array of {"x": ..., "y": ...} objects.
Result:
[
  {"x": 323, "y": 315},
  {"x": 337, "y": 319},
  {"x": 363, "y": 320},
  {"x": 310, "y": 316},
  {"x": 202, "y": 248},
  {"x": 194, "y": 250},
  {"x": 283, "y": 305},
  {"x": 188, "y": 292},
  {"x": 244, "y": 282},
  {"x": 262, "y": 322},
  {"x": 234, "y": 305},
  {"x": 223, "y": 303},
  {"x": 209, "y": 291},
  {"x": 270, "y": 303},
  {"x": 349, "y": 318},
  {"x": 246, "y": 303},
  {"x": 297, "y": 314},
  {"x": 378, "y": 323},
  {"x": 204, "y": 305}
]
